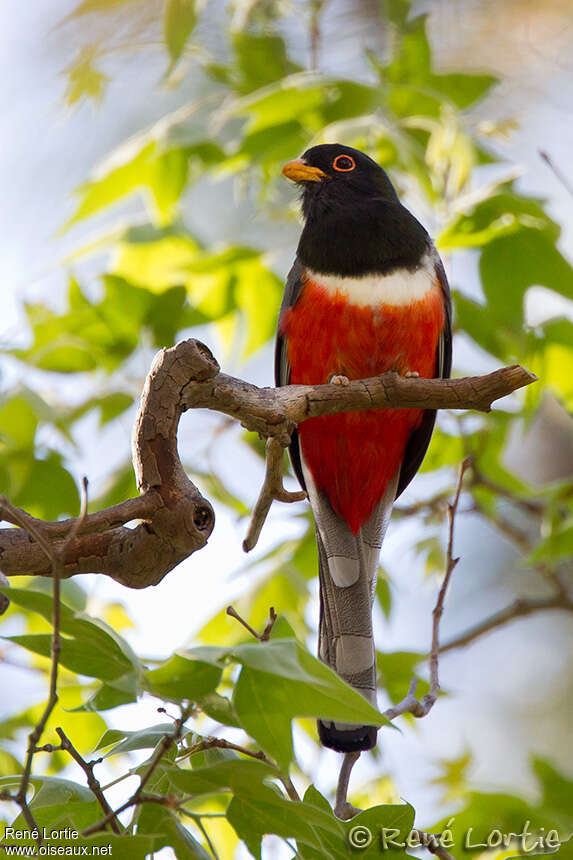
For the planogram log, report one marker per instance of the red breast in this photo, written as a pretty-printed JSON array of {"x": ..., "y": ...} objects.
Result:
[{"x": 338, "y": 329}]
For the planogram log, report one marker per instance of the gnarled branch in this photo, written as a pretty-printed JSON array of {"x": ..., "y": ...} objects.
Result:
[{"x": 175, "y": 519}]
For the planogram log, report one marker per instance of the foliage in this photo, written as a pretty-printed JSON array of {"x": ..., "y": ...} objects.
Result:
[{"x": 258, "y": 107}]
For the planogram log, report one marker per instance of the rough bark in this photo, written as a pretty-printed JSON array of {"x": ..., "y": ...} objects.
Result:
[{"x": 174, "y": 518}]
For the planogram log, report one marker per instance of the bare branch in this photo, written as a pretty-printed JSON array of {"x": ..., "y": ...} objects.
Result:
[
  {"x": 56, "y": 559},
  {"x": 176, "y": 520},
  {"x": 272, "y": 489},
  {"x": 262, "y": 637},
  {"x": 410, "y": 704},
  {"x": 557, "y": 171},
  {"x": 138, "y": 796},
  {"x": 88, "y": 769},
  {"x": 342, "y": 808},
  {"x": 276, "y": 411},
  {"x": 520, "y": 608}
]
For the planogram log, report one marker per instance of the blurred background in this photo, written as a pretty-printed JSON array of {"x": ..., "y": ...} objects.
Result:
[{"x": 142, "y": 202}]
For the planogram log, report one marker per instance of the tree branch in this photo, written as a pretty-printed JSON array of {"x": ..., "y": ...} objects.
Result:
[
  {"x": 138, "y": 796},
  {"x": 520, "y": 608},
  {"x": 271, "y": 490},
  {"x": 176, "y": 520},
  {"x": 93, "y": 783},
  {"x": 56, "y": 560},
  {"x": 410, "y": 704}
]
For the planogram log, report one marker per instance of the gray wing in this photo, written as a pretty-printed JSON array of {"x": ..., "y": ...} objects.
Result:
[
  {"x": 293, "y": 287},
  {"x": 420, "y": 438}
]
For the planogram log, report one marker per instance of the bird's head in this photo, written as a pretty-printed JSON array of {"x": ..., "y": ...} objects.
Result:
[
  {"x": 354, "y": 222},
  {"x": 334, "y": 175}
]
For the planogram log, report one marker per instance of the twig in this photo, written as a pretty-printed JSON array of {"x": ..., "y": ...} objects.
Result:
[
  {"x": 138, "y": 795},
  {"x": 34, "y": 527},
  {"x": 317, "y": 7},
  {"x": 431, "y": 841},
  {"x": 518, "y": 609},
  {"x": 434, "y": 503},
  {"x": 478, "y": 479},
  {"x": 557, "y": 171},
  {"x": 410, "y": 704},
  {"x": 206, "y": 837},
  {"x": 262, "y": 637},
  {"x": 56, "y": 560},
  {"x": 221, "y": 743},
  {"x": 88, "y": 769},
  {"x": 342, "y": 808},
  {"x": 272, "y": 489}
]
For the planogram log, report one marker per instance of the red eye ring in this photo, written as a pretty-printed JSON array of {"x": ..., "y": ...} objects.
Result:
[{"x": 347, "y": 168}]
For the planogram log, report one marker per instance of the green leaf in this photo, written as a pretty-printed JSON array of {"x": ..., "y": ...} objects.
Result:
[
  {"x": 397, "y": 668},
  {"x": 46, "y": 489},
  {"x": 281, "y": 680},
  {"x": 509, "y": 265},
  {"x": 384, "y": 593},
  {"x": 147, "y": 738},
  {"x": 168, "y": 831},
  {"x": 556, "y": 793},
  {"x": 179, "y": 18},
  {"x": 255, "y": 814},
  {"x": 120, "y": 691},
  {"x": 258, "y": 701},
  {"x": 559, "y": 545},
  {"x": 142, "y": 164},
  {"x": 18, "y": 422},
  {"x": 85, "y": 80},
  {"x": 500, "y": 214},
  {"x": 88, "y": 7},
  {"x": 218, "y": 708},
  {"x": 389, "y": 825},
  {"x": 184, "y": 676},
  {"x": 411, "y": 65},
  {"x": 239, "y": 775},
  {"x": 89, "y": 646},
  {"x": 260, "y": 60}
]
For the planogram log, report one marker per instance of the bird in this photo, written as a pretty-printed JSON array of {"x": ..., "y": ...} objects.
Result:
[{"x": 367, "y": 294}]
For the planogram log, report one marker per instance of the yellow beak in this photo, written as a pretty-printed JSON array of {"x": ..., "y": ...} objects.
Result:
[{"x": 299, "y": 171}]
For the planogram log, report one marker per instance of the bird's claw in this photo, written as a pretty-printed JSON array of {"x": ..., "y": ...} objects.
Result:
[
  {"x": 337, "y": 379},
  {"x": 412, "y": 374}
]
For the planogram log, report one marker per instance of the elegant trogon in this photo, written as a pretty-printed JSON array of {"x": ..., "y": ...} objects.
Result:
[{"x": 367, "y": 294}]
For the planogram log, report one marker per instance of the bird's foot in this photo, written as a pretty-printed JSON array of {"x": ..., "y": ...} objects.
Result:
[
  {"x": 336, "y": 379},
  {"x": 412, "y": 374}
]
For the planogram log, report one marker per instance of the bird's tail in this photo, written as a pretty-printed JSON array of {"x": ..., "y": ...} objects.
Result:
[{"x": 347, "y": 574}]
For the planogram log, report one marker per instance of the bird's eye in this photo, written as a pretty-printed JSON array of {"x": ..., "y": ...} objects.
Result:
[{"x": 344, "y": 163}]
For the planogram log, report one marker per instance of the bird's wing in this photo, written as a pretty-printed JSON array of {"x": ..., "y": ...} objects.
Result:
[
  {"x": 282, "y": 367},
  {"x": 420, "y": 438}
]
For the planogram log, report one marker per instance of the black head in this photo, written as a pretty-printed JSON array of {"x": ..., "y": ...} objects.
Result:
[
  {"x": 354, "y": 222},
  {"x": 333, "y": 173}
]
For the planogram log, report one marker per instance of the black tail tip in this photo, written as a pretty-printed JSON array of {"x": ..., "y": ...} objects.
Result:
[{"x": 347, "y": 740}]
